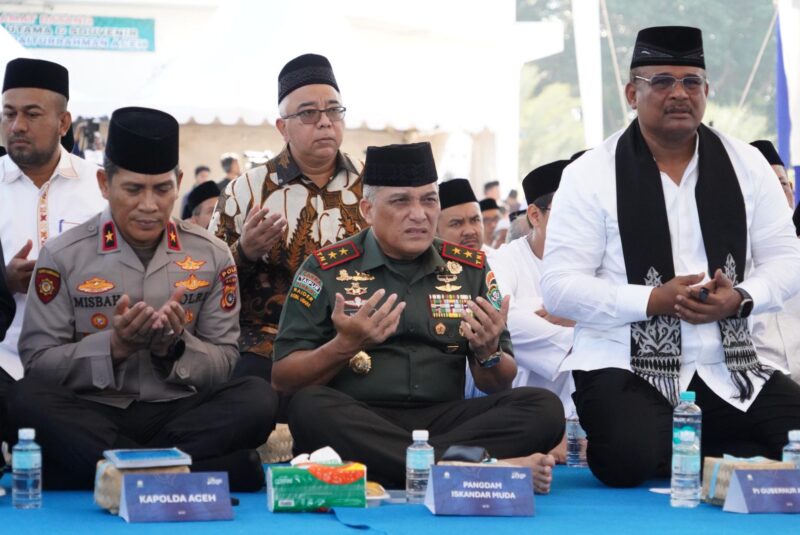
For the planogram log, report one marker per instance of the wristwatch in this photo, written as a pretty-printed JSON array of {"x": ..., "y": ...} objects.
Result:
[
  {"x": 746, "y": 306},
  {"x": 491, "y": 360}
]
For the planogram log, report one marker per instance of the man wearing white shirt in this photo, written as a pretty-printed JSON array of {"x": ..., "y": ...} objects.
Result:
[
  {"x": 44, "y": 190},
  {"x": 541, "y": 340},
  {"x": 661, "y": 242}
]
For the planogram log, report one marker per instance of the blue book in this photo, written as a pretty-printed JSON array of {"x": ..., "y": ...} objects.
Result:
[{"x": 148, "y": 458}]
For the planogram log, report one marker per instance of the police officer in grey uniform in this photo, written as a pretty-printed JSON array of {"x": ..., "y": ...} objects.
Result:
[
  {"x": 131, "y": 337},
  {"x": 376, "y": 332}
]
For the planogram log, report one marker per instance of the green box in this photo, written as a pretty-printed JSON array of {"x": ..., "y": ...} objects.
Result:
[{"x": 315, "y": 487}]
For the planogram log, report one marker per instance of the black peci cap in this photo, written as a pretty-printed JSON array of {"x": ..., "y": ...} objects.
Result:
[
  {"x": 400, "y": 165},
  {"x": 305, "y": 70},
  {"x": 143, "y": 140},
  {"x": 669, "y": 45}
]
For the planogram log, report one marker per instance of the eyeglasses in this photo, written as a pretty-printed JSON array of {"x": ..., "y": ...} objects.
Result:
[
  {"x": 312, "y": 116},
  {"x": 666, "y": 82}
]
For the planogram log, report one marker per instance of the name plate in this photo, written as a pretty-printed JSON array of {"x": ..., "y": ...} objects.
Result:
[
  {"x": 484, "y": 490},
  {"x": 764, "y": 491},
  {"x": 175, "y": 497}
]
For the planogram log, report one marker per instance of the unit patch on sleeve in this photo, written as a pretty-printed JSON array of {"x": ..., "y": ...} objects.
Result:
[
  {"x": 229, "y": 281},
  {"x": 48, "y": 282},
  {"x": 306, "y": 288},
  {"x": 465, "y": 255},
  {"x": 493, "y": 294},
  {"x": 336, "y": 254}
]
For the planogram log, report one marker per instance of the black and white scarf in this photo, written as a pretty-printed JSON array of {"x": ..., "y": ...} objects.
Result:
[{"x": 647, "y": 249}]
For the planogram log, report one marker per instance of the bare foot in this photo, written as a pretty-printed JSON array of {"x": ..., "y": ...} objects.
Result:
[
  {"x": 559, "y": 453},
  {"x": 542, "y": 467}
]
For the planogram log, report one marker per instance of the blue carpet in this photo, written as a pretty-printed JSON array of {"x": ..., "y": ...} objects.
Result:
[{"x": 577, "y": 504}]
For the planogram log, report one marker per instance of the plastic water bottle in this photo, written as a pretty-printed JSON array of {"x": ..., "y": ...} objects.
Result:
[
  {"x": 576, "y": 442},
  {"x": 791, "y": 453},
  {"x": 26, "y": 464},
  {"x": 686, "y": 431},
  {"x": 419, "y": 458}
]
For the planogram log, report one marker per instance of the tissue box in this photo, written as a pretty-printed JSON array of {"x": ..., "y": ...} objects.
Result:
[
  {"x": 717, "y": 473},
  {"x": 316, "y": 487}
]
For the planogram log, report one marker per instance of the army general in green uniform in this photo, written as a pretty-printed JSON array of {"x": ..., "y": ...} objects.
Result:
[{"x": 376, "y": 331}]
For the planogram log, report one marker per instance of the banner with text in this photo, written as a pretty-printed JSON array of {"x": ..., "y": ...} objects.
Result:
[{"x": 84, "y": 32}]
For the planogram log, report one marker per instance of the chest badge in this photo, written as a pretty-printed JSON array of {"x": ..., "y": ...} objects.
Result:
[
  {"x": 96, "y": 285},
  {"x": 356, "y": 289},
  {"x": 440, "y": 329},
  {"x": 360, "y": 276},
  {"x": 192, "y": 283},
  {"x": 361, "y": 363},
  {"x": 449, "y": 275},
  {"x": 99, "y": 321},
  {"x": 190, "y": 264}
]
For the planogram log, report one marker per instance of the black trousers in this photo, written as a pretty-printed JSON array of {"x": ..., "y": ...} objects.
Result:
[
  {"x": 74, "y": 432},
  {"x": 629, "y": 423},
  {"x": 5, "y": 433},
  {"x": 253, "y": 364},
  {"x": 513, "y": 423}
]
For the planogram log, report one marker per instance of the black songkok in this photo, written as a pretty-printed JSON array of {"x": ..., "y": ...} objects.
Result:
[
  {"x": 488, "y": 204},
  {"x": 400, "y": 165},
  {"x": 543, "y": 180},
  {"x": 669, "y": 45},
  {"x": 143, "y": 140},
  {"x": 305, "y": 70},
  {"x": 200, "y": 194},
  {"x": 456, "y": 191},
  {"x": 768, "y": 150},
  {"x": 38, "y": 73}
]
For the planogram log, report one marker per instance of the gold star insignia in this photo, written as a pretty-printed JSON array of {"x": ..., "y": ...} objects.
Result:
[
  {"x": 456, "y": 250},
  {"x": 468, "y": 254},
  {"x": 332, "y": 254},
  {"x": 109, "y": 236},
  {"x": 172, "y": 236},
  {"x": 343, "y": 251}
]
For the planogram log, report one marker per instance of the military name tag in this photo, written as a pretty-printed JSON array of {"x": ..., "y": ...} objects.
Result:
[{"x": 449, "y": 305}]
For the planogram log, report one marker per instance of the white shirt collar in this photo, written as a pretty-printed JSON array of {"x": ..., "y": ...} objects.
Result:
[{"x": 64, "y": 168}]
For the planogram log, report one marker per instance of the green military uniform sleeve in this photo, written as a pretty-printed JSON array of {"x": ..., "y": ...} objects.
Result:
[
  {"x": 49, "y": 346},
  {"x": 306, "y": 317},
  {"x": 211, "y": 346},
  {"x": 491, "y": 292}
]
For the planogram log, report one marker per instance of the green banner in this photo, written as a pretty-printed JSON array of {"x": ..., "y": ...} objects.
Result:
[{"x": 84, "y": 32}]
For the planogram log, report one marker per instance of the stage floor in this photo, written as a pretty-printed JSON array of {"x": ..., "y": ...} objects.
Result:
[{"x": 577, "y": 504}]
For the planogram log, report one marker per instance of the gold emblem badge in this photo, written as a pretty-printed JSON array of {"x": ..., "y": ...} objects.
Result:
[
  {"x": 361, "y": 363},
  {"x": 100, "y": 321},
  {"x": 96, "y": 285},
  {"x": 190, "y": 264},
  {"x": 356, "y": 289},
  {"x": 192, "y": 283},
  {"x": 440, "y": 329},
  {"x": 188, "y": 316},
  {"x": 453, "y": 269},
  {"x": 360, "y": 276}
]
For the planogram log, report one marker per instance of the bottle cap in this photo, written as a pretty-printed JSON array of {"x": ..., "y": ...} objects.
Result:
[
  {"x": 794, "y": 435},
  {"x": 419, "y": 434},
  {"x": 26, "y": 433},
  {"x": 688, "y": 396}
]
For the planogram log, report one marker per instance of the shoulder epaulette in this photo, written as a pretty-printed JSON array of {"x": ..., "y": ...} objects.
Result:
[
  {"x": 465, "y": 255},
  {"x": 200, "y": 232},
  {"x": 336, "y": 254}
]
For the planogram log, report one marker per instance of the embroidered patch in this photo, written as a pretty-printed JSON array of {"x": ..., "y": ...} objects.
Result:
[
  {"x": 309, "y": 283},
  {"x": 336, "y": 254},
  {"x": 493, "y": 292},
  {"x": 173, "y": 244},
  {"x": 96, "y": 285},
  {"x": 229, "y": 280},
  {"x": 99, "y": 321},
  {"x": 465, "y": 255},
  {"x": 48, "y": 282},
  {"x": 192, "y": 283},
  {"x": 188, "y": 316},
  {"x": 109, "y": 236},
  {"x": 189, "y": 264},
  {"x": 449, "y": 305}
]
